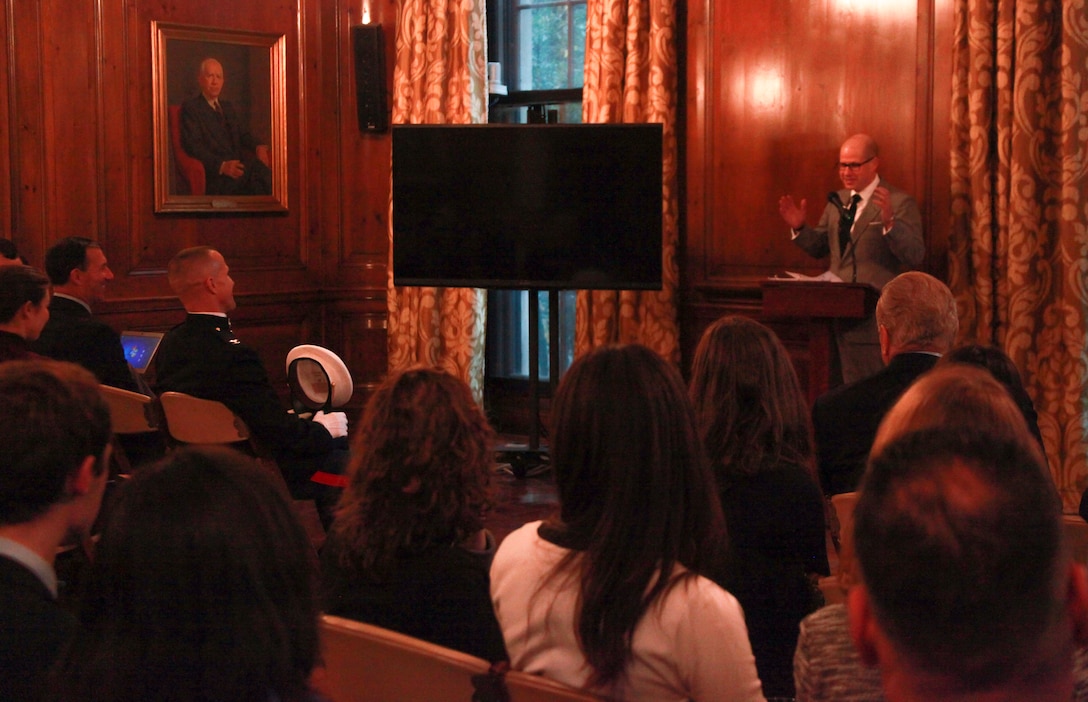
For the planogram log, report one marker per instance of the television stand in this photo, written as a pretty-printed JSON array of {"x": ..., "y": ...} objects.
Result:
[{"x": 530, "y": 459}]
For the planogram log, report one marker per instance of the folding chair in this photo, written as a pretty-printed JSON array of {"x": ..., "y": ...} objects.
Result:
[
  {"x": 365, "y": 663},
  {"x": 192, "y": 420}
]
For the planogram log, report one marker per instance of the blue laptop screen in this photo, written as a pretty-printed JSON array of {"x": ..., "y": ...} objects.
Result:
[{"x": 139, "y": 348}]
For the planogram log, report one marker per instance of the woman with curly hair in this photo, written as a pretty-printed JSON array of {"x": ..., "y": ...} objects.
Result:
[
  {"x": 754, "y": 423},
  {"x": 407, "y": 550},
  {"x": 610, "y": 594}
]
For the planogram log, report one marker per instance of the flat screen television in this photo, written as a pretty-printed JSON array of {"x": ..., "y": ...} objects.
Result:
[{"x": 527, "y": 206}]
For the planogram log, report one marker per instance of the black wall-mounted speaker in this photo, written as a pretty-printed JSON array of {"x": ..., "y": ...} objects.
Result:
[{"x": 370, "y": 94}]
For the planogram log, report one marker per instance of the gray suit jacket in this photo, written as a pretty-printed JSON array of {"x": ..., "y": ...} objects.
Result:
[{"x": 875, "y": 257}]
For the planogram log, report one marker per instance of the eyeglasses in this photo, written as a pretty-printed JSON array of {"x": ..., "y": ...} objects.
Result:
[{"x": 853, "y": 166}]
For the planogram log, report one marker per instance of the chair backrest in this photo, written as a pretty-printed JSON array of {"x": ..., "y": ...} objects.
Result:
[
  {"x": 189, "y": 169},
  {"x": 365, "y": 663},
  {"x": 844, "y": 504},
  {"x": 526, "y": 687},
  {"x": 130, "y": 412},
  {"x": 136, "y": 423},
  {"x": 192, "y": 420}
]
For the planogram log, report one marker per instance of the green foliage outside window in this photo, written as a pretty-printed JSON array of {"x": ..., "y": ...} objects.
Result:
[{"x": 551, "y": 38}]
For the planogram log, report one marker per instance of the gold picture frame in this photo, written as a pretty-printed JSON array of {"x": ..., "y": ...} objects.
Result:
[{"x": 219, "y": 152}]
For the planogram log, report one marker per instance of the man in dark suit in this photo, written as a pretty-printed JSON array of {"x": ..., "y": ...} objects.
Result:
[
  {"x": 213, "y": 133},
  {"x": 202, "y": 357},
  {"x": 917, "y": 323},
  {"x": 884, "y": 239},
  {"x": 55, "y": 430},
  {"x": 79, "y": 271}
]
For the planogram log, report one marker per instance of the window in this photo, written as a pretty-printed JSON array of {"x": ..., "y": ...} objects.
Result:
[
  {"x": 549, "y": 51},
  {"x": 540, "y": 45},
  {"x": 508, "y": 332}
]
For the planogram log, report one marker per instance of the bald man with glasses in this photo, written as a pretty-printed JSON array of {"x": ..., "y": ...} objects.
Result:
[{"x": 872, "y": 231}]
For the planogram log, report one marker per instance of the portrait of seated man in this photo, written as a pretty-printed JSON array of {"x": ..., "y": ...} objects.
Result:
[{"x": 213, "y": 132}]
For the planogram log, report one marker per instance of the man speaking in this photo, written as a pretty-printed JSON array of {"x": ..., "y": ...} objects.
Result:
[{"x": 872, "y": 232}]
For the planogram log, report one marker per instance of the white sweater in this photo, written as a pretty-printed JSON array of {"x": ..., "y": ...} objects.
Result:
[{"x": 692, "y": 644}]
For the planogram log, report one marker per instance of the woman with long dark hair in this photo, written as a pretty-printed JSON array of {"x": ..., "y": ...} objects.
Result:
[
  {"x": 24, "y": 309},
  {"x": 407, "y": 550},
  {"x": 754, "y": 423},
  {"x": 610, "y": 594},
  {"x": 202, "y": 590}
]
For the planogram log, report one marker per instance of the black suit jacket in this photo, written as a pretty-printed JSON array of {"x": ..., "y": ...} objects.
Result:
[
  {"x": 202, "y": 357},
  {"x": 73, "y": 334},
  {"x": 33, "y": 630},
  {"x": 212, "y": 138},
  {"x": 846, "y": 419}
]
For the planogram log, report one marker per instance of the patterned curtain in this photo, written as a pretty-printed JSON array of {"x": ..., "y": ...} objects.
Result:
[
  {"x": 440, "y": 77},
  {"x": 1019, "y": 245},
  {"x": 630, "y": 77}
]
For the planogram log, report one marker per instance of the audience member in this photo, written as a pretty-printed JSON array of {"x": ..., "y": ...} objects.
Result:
[
  {"x": 755, "y": 426},
  {"x": 55, "y": 430},
  {"x": 202, "y": 357},
  {"x": 916, "y": 318},
  {"x": 611, "y": 595},
  {"x": 872, "y": 231},
  {"x": 827, "y": 667},
  {"x": 9, "y": 255},
  {"x": 78, "y": 269},
  {"x": 1001, "y": 367},
  {"x": 408, "y": 550},
  {"x": 24, "y": 310},
  {"x": 202, "y": 590},
  {"x": 967, "y": 588}
]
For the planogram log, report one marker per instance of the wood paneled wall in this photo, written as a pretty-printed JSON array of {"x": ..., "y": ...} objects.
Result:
[
  {"x": 770, "y": 91},
  {"x": 76, "y": 157},
  {"x": 773, "y": 88}
]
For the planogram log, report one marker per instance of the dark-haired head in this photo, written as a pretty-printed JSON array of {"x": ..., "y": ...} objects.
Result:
[
  {"x": 23, "y": 289},
  {"x": 1001, "y": 367},
  {"x": 8, "y": 252},
  {"x": 202, "y": 589},
  {"x": 43, "y": 402},
  {"x": 749, "y": 408},
  {"x": 67, "y": 255},
  {"x": 636, "y": 495},
  {"x": 419, "y": 472},
  {"x": 959, "y": 541}
]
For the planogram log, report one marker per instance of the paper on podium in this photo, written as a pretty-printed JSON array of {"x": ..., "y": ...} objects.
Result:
[{"x": 826, "y": 276}]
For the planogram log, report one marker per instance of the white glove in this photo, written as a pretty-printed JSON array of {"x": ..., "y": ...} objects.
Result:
[{"x": 335, "y": 422}]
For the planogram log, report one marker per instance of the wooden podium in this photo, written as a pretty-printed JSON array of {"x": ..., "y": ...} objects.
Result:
[{"x": 816, "y": 305}]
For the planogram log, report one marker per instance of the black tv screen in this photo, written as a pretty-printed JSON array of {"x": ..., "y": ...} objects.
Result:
[{"x": 527, "y": 206}]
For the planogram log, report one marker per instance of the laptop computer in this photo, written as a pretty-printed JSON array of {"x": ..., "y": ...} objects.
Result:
[{"x": 140, "y": 348}]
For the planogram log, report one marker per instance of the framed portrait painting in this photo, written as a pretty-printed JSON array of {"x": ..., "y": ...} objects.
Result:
[{"x": 220, "y": 110}]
